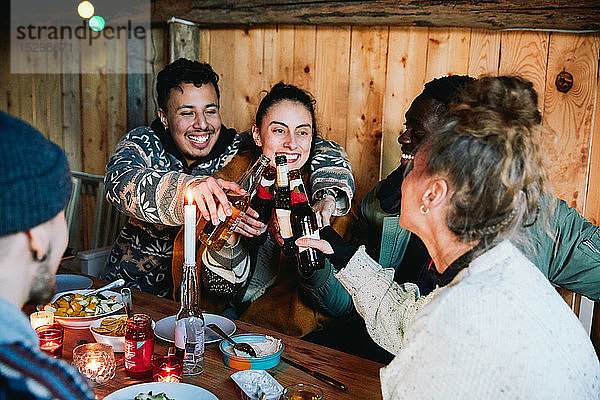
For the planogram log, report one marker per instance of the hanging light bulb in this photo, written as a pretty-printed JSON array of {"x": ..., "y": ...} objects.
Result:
[{"x": 85, "y": 9}]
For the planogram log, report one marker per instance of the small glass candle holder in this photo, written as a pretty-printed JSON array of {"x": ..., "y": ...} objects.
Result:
[
  {"x": 51, "y": 339},
  {"x": 302, "y": 391},
  {"x": 167, "y": 368},
  {"x": 41, "y": 318},
  {"x": 96, "y": 361}
]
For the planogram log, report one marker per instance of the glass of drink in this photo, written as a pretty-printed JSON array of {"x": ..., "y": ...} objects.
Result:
[
  {"x": 302, "y": 391},
  {"x": 51, "y": 339},
  {"x": 167, "y": 369}
]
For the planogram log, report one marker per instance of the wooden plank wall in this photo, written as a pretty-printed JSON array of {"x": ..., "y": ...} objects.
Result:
[{"x": 364, "y": 78}]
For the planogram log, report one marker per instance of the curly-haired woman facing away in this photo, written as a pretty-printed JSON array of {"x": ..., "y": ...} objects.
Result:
[{"x": 494, "y": 327}]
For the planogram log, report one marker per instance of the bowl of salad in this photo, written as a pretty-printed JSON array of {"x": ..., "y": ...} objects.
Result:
[{"x": 75, "y": 309}]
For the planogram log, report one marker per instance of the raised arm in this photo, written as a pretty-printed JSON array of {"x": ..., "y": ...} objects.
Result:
[{"x": 331, "y": 175}]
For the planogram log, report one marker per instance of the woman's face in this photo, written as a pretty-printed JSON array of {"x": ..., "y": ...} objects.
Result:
[{"x": 286, "y": 129}]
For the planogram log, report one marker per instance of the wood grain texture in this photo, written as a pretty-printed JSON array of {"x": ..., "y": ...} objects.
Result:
[
  {"x": 71, "y": 107},
  {"x": 222, "y": 41},
  {"x": 278, "y": 56},
  {"x": 305, "y": 45},
  {"x": 447, "y": 52},
  {"x": 365, "y": 104},
  {"x": 332, "y": 65},
  {"x": 204, "y": 45},
  {"x": 570, "y": 114},
  {"x": 525, "y": 54},
  {"x": 184, "y": 41},
  {"x": 484, "y": 53},
  {"x": 541, "y": 14},
  {"x": 156, "y": 50},
  {"x": 116, "y": 103},
  {"x": 405, "y": 76},
  {"x": 94, "y": 110},
  {"x": 248, "y": 78}
]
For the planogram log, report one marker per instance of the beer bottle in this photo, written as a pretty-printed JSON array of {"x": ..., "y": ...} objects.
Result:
[
  {"x": 262, "y": 202},
  {"x": 283, "y": 205},
  {"x": 304, "y": 224},
  {"x": 216, "y": 236},
  {"x": 189, "y": 325}
]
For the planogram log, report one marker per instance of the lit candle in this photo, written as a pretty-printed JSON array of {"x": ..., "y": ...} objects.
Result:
[
  {"x": 167, "y": 369},
  {"x": 189, "y": 230},
  {"x": 41, "y": 318}
]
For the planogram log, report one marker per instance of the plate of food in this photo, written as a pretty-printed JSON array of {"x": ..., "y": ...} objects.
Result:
[
  {"x": 76, "y": 310},
  {"x": 165, "y": 328},
  {"x": 161, "y": 391}
]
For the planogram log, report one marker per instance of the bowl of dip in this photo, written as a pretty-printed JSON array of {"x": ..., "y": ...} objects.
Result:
[{"x": 268, "y": 352}]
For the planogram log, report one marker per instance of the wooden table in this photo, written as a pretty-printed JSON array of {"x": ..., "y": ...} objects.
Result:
[{"x": 361, "y": 376}]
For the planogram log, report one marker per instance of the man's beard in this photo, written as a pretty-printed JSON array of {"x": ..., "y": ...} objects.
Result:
[{"x": 43, "y": 286}]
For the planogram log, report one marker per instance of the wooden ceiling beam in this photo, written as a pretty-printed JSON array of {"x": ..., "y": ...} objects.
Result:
[{"x": 575, "y": 15}]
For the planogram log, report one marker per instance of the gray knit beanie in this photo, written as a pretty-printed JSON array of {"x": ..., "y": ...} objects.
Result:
[{"x": 35, "y": 180}]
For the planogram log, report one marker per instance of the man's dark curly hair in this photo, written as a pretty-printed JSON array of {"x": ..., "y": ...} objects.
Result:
[
  {"x": 448, "y": 88},
  {"x": 184, "y": 71}
]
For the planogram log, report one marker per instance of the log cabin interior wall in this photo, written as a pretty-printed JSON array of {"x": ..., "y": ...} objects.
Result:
[{"x": 363, "y": 77}]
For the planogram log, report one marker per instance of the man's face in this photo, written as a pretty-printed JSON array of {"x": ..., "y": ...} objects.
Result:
[
  {"x": 43, "y": 285},
  {"x": 193, "y": 118},
  {"x": 422, "y": 118}
]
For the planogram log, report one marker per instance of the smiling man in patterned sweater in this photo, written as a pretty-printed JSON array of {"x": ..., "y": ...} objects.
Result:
[{"x": 154, "y": 165}]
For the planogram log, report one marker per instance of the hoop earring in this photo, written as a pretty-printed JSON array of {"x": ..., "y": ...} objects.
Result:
[
  {"x": 34, "y": 255},
  {"x": 424, "y": 210}
]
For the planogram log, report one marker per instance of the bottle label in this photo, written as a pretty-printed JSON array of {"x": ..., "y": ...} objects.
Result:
[
  {"x": 298, "y": 193},
  {"x": 314, "y": 235},
  {"x": 189, "y": 335},
  {"x": 285, "y": 225},
  {"x": 282, "y": 177},
  {"x": 264, "y": 192},
  {"x": 138, "y": 354}
]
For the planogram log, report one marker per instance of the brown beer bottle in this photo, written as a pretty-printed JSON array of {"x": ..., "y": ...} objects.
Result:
[
  {"x": 283, "y": 206},
  {"x": 216, "y": 236},
  {"x": 304, "y": 224},
  {"x": 262, "y": 202}
]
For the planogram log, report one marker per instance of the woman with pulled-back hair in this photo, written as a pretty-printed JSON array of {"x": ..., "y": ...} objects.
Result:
[{"x": 493, "y": 327}]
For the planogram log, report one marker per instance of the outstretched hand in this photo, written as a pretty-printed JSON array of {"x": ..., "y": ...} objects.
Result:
[
  {"x": 320, "y": 244},
  {"x": 324, "y": 209},
  {"x": 332, "y": 245},
  {"x": 211, "y": 199}
]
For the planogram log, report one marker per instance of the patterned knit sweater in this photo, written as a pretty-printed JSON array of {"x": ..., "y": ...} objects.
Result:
[
  {"x": 499, "y": 330},
  {"x": 146, "y": 179}
]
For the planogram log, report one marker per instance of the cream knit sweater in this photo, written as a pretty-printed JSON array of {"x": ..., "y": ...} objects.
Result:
[{"x": 499, "y": 330}]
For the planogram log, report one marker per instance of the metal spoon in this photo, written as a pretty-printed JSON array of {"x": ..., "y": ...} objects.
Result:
[
  {"x": 127, "y": 301},
  {"x": 245, "y": 347},
  {"x": 112, "y": 285}
]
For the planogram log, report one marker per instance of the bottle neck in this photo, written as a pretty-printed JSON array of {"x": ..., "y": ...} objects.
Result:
[
  {"x": 250, "y": 180},
  {"x": 297, "y": 190},
  {"x": 282, "y": 175},
  {"x": 189, "y": 288}
]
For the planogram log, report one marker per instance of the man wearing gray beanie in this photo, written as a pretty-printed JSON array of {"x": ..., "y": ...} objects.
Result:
[{"x": 35, "y": 185}]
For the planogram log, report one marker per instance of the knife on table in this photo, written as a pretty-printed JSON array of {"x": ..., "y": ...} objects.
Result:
[{"x": 316, "y": 374}]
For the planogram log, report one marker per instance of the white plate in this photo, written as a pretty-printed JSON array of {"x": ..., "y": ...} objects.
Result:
[
  {"x": 83, "y": 322},
  {"x": 165, "y": 328},
  {"x": 178, "y": 391},
  {"x": 68, "y": 282}
]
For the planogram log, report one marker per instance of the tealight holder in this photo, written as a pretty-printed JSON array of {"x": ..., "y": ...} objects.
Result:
[
  {"x": 167, "y": 368},
  {"x": 51, "y": 339},
  {"x": 41, "y": 318},
  {"x": 96, "y": 361}
]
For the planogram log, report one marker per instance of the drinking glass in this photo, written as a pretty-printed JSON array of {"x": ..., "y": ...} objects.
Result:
[{"x": 302, "y": 391}]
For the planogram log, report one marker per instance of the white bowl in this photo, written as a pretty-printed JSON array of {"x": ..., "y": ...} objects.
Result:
[
  {"x": 117, "y": 342},
  {"x": 83, "y": 322}
]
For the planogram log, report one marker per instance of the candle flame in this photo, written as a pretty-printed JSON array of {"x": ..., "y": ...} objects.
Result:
[{"x": 188, "y": 197}]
